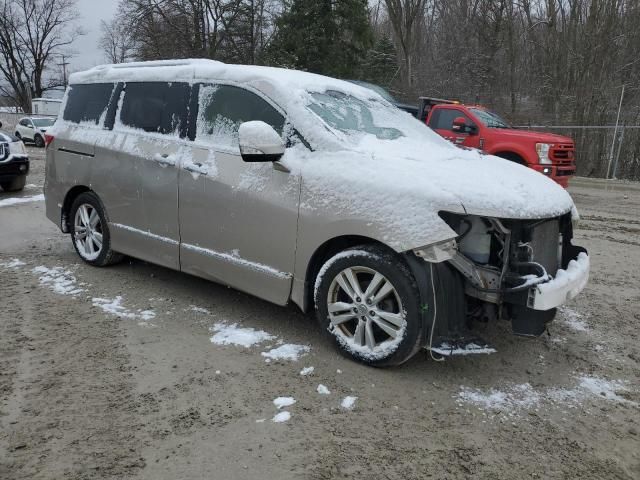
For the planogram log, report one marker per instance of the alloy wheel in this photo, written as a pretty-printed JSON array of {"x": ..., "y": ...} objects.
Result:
[
  {"x": 365, "y": 309},
  {"x": 88, "y": 232}
]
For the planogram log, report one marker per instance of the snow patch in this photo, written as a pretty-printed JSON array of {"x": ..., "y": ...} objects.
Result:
[
  {"x": 18, "y": 200},
  {"x": 323, "y": 390},
  {"x": 234, "y": 335},
  {"x": 113, "y": 306},
  {"x": 58, "y": 279},
  {"x": 193, "y": 308},
  {"x": 288, "y": 351},
  {"x": 307, "y": 371},
  {"x": 348, "y": 402},
  {"x": 574, "y": 320},
  {"x": 282, "y": 402},
  {"x": 14, "y": 263},
  {"x": 524, "y": 396},
  {"x": 281, "y": 417}
]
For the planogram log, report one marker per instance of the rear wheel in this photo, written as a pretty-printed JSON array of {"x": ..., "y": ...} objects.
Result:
[
  {"x": 18, "y": 136},
  {"x": 14, "y": 185},
  {"x": 39, "y": 141},
  {"x": 90, "y": 231},
  {"x": 367, "y": 299}
]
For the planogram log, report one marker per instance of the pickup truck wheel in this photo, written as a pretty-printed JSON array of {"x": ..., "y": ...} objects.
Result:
[
  {"x": 368, "y": 301},
  {"x": 90, "y": 231},
  {"x": 14, "y": 185},
  {"x": 39, "y": 141}
]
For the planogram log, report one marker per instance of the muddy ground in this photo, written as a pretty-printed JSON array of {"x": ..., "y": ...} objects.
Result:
[{"x": 85, "y": 393}]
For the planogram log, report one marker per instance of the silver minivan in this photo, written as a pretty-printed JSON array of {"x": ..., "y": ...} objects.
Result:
[{"x": 297, "y": 187}]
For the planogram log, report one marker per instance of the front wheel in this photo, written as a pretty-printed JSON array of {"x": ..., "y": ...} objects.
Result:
[
  {"x": 368, "y": 300},
  {"x": 39, "y": 141},
  {"x": 90, "y": 231}
]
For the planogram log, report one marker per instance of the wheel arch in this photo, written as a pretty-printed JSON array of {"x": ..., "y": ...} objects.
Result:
[
  {"x": 512, "y": 156},
  {"x": 323, "y": 253},
  {"x": 71, "y": 195}
]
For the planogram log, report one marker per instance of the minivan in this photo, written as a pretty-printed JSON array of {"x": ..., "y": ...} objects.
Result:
[{"x": 300, "y": 188}]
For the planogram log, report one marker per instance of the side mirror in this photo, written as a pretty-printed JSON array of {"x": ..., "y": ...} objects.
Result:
[
  {"x": 259, "y": 142},
  {"x": 459, "y": 125}
]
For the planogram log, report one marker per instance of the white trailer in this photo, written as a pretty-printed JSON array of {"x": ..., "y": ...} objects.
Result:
[{"x": 45, "y": 106}]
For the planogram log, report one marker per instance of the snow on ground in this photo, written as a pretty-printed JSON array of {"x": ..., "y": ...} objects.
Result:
[
  {"x": 323, "y": 390},
  {"x": 58, "y": 279},
  {"x": 281, "y": 417},
  {"x": 196, "y": 309},
  {"x": 235, "y": 335},
  {"x": 282, "y": 402},
  {"x": 524, "y": 396},
  {"x": 573, "y": 320},
  {"x": 288, "y": 351},
  {"x": 14, "y": 263},
  {"x": 17, "y": 200},
  {"x": 348, "y": 402},
  {"x": 307, "y": 371},
  {"x": 114, "y": 306}
]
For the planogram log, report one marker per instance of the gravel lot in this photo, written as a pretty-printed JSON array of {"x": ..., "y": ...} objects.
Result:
[{"x": 96, "y": 387}]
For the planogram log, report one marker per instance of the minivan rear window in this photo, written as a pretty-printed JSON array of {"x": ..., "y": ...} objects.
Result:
[
  {"x": 157, "y": 107},
  {"x": 87, "y": 103}
]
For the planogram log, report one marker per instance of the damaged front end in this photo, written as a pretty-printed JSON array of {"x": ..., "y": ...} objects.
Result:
[{"x": 518, "y": 270}]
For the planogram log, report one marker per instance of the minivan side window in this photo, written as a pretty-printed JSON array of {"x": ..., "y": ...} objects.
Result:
[
  {"x": 221, "y": 110},
  {"x": 87, "y": 103},
  {"x": 157, "y": 107}
]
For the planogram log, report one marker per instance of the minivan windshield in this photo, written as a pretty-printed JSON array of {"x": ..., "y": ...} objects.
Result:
[
  {"x": 353, "y": 116},
  {"x": 489, "y": 118},
  {"x": 43, "y": 122}
]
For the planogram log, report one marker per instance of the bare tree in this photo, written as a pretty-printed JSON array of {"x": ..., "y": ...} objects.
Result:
[
  {"x": 32, "y": 34},
  {"x": 405, "y": 16},
  {"x": 117, "y": 40}
]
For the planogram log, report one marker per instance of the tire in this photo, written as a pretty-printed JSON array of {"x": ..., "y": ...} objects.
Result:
[
  {"x": 39, "y": 141},
  {"x": 381, "y": 330},
  {"x": 14, "y": 185},
  {"x": 18, "y": 136},
  {"x": 87, "y": 214}
]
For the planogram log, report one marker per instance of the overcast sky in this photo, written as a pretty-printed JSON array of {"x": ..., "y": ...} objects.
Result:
[{"x": 85, "y": 49}]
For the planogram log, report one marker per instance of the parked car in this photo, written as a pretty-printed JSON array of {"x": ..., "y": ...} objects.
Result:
[
  {"x": 297, "y": 187},
  {"x": 33, "y": 129},
  {"x": 14, "y": 163}
]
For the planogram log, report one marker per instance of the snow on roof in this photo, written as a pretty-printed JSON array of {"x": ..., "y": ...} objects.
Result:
[{"x": 191, "y": 70}]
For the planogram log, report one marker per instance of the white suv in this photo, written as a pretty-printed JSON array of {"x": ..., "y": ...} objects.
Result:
[{"x": 33, "y": 129}]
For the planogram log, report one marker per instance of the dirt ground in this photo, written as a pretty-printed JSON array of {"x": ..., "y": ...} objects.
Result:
[{"x": 88, "y": 394}]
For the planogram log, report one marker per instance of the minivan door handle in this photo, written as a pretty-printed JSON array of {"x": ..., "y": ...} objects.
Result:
[
  {"x": 165, "y": 159},
  {"x": 196, "y": 167}
]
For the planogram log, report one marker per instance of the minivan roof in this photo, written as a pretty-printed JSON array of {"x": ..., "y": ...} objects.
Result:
[{"x": 193, "y": 70}]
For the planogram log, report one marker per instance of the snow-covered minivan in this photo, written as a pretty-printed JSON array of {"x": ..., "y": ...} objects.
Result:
[{"x": 300, "y": 188}]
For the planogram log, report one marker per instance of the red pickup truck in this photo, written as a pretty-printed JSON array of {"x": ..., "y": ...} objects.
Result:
[{"x": 478, "y": 127}]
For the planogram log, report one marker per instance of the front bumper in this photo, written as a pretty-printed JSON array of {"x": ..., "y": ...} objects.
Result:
[
  {"x": 566, "y": 285},
  {"x": 559, "y": 173},
  {"x": 14, "y": 166}
]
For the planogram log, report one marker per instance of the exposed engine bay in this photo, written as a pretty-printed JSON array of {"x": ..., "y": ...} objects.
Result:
[{"x": 506, "y": 269}]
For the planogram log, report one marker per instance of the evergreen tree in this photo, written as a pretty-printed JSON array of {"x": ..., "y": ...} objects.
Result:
[
  {"x": 331, "y": 37},
  {"x": 380, "y": 65}
]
